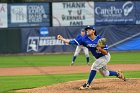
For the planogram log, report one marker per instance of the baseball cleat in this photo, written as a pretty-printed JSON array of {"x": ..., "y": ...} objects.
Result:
[
  {"x": 72, "y": 64},
  {"x": 85, "y": 86},
  {"x": 121, "y": 75},
  {"x": 88, "y": 64}
]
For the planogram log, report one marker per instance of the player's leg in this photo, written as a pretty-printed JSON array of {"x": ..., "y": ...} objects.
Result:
[
  {"x": 86, "y": 54},
  {"x": 92, "y": 74},
  {"x": 99, "y": 63},
  {"x": 77, "y": 51},
  {"x": 103, "y": 70},
  {"x": 106, "y": 72}
]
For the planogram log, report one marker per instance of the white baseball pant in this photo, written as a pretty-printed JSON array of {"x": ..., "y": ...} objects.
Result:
[
  {"x": 79, "y": 48},
  {"x": 100, "y": 64}
]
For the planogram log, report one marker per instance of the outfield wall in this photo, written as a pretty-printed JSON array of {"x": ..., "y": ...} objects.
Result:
[
  {"x": 119, "y": 37},
  {"x": 20, "y": 25}
]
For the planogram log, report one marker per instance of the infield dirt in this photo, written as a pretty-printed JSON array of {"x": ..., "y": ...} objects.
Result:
[{"x": 62, "y": 69}]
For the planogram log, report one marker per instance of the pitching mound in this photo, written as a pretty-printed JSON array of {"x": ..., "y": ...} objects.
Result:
[{"x": 98, "y": 86}]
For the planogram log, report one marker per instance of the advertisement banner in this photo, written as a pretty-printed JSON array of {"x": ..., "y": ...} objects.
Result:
[
  {"x": 29, "y": 14},
  {"x": 137, "y": 12},
  {"x": 118, "y": 38},
  {"x": 3, "y": 15},
  {"x": 73, "y": 13},
  {"x": 34, "y": 42},
  {"x": 115, "y": 12}
]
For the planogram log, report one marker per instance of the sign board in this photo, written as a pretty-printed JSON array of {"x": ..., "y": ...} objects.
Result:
[
  {"x": 137, "y": 12},
  {"x": 29, "y": 14},
  {"x": 3, "y": 15},
  {"x": 73, "y": 13},
  {"x": 115, "y": 12}
]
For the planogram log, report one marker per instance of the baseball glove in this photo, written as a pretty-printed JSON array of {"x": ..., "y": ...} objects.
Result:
[
  {"x": 101, "y": 42},
  {"x": 59, "y": 37}
]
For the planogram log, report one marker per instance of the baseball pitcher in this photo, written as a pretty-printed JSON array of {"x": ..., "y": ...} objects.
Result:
[
  {"x": 80, "y": 47},
  {"x": 97, "y": 45}
]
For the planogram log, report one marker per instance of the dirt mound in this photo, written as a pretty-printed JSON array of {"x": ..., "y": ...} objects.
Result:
[{"x": 98, "y": 86}]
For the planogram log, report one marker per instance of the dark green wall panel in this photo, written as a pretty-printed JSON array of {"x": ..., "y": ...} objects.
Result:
[{"x": 10, "y": 40}]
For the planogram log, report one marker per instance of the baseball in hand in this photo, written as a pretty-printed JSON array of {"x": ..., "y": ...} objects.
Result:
[{"x": 59, "y": 37}]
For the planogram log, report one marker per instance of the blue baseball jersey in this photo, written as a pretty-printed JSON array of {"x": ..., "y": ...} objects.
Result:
[
  {"x": 90, "y": 44},
  {"x": 79, "y": 37}
]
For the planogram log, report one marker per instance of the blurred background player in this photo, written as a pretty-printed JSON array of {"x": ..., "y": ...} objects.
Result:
[
  {"x": 80, "y": 47},
  {"x": 101, "y": 54}
]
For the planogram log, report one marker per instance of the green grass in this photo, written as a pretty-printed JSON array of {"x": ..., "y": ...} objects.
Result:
[
  {"x": 64, "y": 59},
  {"x": 10, "y": 83},
  {"x": 125, "y": 58}
]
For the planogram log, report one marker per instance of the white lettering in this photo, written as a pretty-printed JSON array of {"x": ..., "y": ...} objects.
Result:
[
  {"x": 91, "y": 45},
  {"x": 48, "y": 41},
  {"x": 114, "y": 11},
  {"x": 106, "y": 12},
  {"x": 36, "y": 13}
]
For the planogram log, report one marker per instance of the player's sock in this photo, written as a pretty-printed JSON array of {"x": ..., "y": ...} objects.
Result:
[
  {"x": 113, "y": 73},
  {"x": 87, "y": 59},
  {"x": 73, "y": 60},
  {"x": 91, "y": 76}
]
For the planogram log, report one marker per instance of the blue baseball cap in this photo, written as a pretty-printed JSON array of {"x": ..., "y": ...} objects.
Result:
[
  {"x": 82, "y": 30},
  {"x": 90, "y": 27}
]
